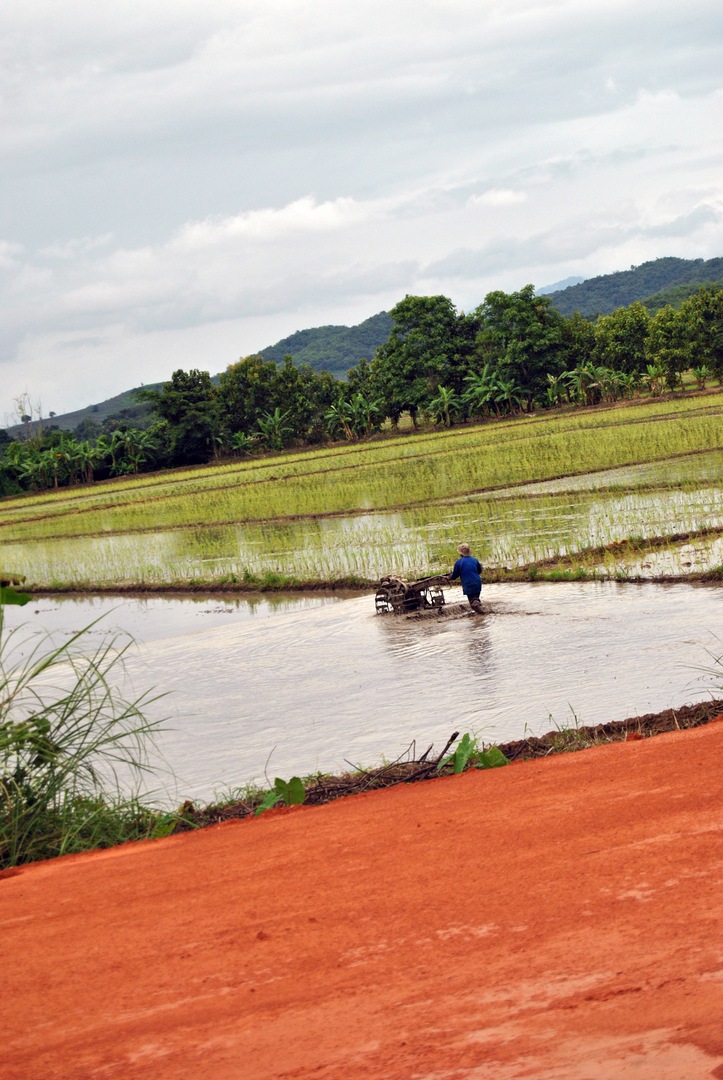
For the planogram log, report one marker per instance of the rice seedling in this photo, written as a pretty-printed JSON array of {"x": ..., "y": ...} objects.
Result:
[{"x": 522, "y": 491}]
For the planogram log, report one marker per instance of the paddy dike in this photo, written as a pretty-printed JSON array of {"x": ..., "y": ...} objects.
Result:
[{"x": 557, "y": 918}]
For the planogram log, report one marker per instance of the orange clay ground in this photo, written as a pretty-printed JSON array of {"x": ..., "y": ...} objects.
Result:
[{"x": 554, "y": 919}]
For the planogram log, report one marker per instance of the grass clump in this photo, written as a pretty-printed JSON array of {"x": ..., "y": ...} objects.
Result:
[{"x": 70, "y": 745}]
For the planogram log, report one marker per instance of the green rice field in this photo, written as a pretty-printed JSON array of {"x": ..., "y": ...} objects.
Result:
[{"x": 630, "y": 491}]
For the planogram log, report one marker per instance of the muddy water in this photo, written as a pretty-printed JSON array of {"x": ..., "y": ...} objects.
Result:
[{"x": 295, "y": 685}]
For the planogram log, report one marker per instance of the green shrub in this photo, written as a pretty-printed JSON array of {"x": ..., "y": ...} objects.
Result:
[{"x": 70, "y": 746}]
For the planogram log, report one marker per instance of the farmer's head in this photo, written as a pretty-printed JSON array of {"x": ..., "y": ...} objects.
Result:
[{"x": 463, "y": 549}]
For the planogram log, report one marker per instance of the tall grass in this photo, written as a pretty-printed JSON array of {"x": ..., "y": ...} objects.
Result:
[{"x": 72, "y": 748}]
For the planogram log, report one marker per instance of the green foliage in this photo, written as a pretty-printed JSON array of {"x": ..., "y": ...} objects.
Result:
[
  {"x": 620, "y": 339},
  {"x": 286, "y": 792},
  {"x": 278, "y": 405},
  {"x": 578, "y": 341},
  {"x": 521, "y": 336},
  {"x": 188, "y": 404},
  {"x": 578, "y": 573},
  {"x": 241, "y": 443},
  {"x": 429, "y": 347},
  {"x": 355, "y": 418},
  {"x": 701, "y": 375},
  {"x": 703, "y": 315},
  {"x": 668, "y": 345},
  {"x": 493, "y": 758},
  {"x": 274, "y": 429},
  {"x": 55, "y": 459},
  {"x": 469, "y": 752},
  {"x": 676, "y": 295},
  {"x": 9, "y": 593},
  {"x": 333, "y": 348},
  {"x": 465, "y": 748},
  {"x": 445, "y": 407},
  {"x": 69, "y": 740}
]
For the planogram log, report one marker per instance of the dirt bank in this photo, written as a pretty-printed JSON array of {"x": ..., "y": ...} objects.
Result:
[{"x": 557, "y": 918}]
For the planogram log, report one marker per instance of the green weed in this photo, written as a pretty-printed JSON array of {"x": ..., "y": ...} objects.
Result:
[
  {"x": 469, "y": 752},
  {"x": 69, "y": 742},
  {"x": 287, "y": 792}
]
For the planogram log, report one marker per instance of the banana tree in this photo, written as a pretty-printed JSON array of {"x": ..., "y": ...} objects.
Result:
[
  {"x": 480, "y": 395},
  {"x": 445, "y": 407},
  {"x": 273, "y": 428}
]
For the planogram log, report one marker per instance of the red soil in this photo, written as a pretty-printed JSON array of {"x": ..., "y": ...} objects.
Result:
[{"x": 555, "y": 919}]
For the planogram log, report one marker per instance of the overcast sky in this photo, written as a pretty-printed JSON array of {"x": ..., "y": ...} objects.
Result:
[{"x": 184, "y": 182}]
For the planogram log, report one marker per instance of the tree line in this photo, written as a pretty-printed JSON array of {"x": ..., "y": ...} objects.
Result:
[{"x": 513, "y": 353}]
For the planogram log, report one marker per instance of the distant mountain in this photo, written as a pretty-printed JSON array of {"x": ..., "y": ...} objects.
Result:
[
  {"x": 601, "y": 295},
  {"x": 558, "y": 286},
  {"x": 333, "y": 348}
]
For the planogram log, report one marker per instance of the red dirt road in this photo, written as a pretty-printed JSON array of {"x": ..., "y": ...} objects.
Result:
[{"x": 555, "y": 919}]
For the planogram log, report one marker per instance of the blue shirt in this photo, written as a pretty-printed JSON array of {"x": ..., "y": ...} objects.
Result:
[{"x": 468, "y": 570}]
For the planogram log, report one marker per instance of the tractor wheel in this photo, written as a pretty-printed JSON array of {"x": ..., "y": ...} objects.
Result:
[{"x": 383, "y": 601}]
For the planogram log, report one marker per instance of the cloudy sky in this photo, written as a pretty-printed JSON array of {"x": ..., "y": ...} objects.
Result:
[{"x": 186, "y": 181}]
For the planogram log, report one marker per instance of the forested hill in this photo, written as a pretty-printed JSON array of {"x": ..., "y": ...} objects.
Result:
[
  {"x": 333, "y": 348},
  {"x": 674, "y": 278},
  {"x": 324, "y": 348}
]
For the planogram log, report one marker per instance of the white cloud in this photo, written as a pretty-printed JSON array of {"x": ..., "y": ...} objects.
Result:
[
  {"x": 304, "y": 215},
  {"x": 204, "y": 171},
  {"x": 499, "y": 197}
]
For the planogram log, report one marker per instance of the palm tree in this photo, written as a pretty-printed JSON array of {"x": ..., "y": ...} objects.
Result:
[
  {"x": 31, "y": 470},
  {"x": 87, "y": 457},
  {"x": 558, "y": 388},
  {"x": 137, "y": 445},
  {"x": 583, "y": 380},
  {"x": 701, "y": 375},
  {"x": 655, "y": 378},
  {"x": 509, "y": 394}
]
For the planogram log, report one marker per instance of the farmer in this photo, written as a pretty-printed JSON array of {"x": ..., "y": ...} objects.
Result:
[{"x": 468, "y": 570}]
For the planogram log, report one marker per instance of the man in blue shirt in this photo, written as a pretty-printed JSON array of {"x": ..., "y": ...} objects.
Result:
[{"x": 469, "y": 570}]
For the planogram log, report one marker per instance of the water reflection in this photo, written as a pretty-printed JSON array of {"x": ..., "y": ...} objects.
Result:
[{"x": 294, "y": 685}]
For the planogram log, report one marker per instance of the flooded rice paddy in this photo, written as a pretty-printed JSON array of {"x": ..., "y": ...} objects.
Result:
[
  {"x": 292, "y": 685},
  {"x": 510, "y": 527}
]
